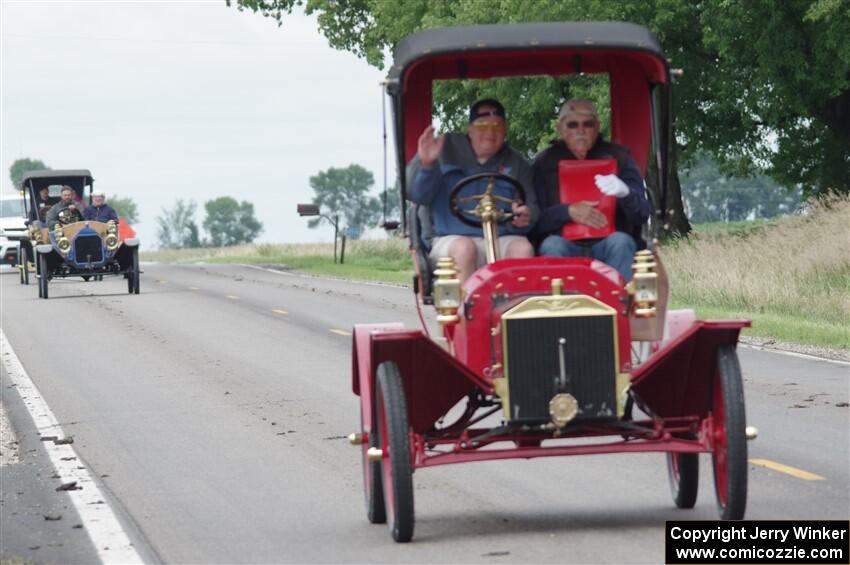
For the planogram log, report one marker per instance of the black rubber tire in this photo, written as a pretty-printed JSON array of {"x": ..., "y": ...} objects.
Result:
[
  {"x": 373, "y": 486},
  {"x": 86, "y": 278},
  {"x": 683, "y": 474},
  {"x": 42, "y": 276},
  {"x": 22, "y": 265},
  {"x": 729, "y": 452},
  {"x": 133, "y": 274},
  {"x": 396, "y": 470},
  {"x": 37, "y": 274}
]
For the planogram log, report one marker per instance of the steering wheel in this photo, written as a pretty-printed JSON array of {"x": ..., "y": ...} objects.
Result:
[
  {"x": 472, "y": 216},
  {"x": 67, "y": 216}
]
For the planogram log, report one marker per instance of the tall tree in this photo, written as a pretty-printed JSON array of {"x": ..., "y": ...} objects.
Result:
[
  {"x": 177, "y": 227},
  {"x": 21, "y": 166},
  {"x": 345, "y": 193},
  {"x": 229, "y": 222},
  {"x": 125, "y": 207},
  {"x": 766, "y": 85}
]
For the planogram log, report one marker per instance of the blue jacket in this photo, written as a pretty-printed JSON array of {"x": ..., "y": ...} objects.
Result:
[
  {"x": 432, "y": 187},
  {"x": 100, "y": 214}
]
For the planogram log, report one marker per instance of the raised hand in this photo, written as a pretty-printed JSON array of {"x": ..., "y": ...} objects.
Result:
[
  {"x": 587, "y": 214},
  {"x": 429, "y": 147}
]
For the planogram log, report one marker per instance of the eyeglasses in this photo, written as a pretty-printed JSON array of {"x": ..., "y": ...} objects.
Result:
[
  {"x": 489, "y": 126},
  {"x": 587, "y": 124}
]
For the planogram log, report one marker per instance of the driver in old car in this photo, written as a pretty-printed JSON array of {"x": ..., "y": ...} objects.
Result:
[
  {"x": 65, "y": 211},
  {"x": 441, "y": 162}
]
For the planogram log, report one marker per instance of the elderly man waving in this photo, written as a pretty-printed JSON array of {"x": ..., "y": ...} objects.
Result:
[
  {"x": 441, "y": 162},
  {"x": 578, "y": 128}
]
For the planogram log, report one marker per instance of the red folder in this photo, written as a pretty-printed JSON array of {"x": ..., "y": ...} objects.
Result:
[{"x": 577, "y": 185}]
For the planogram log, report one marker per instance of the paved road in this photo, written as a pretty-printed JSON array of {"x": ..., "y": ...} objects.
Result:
[{"x": 214, "y": 406}]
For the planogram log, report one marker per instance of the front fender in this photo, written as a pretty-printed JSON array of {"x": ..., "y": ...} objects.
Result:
[{"x": 43, "y": 248}]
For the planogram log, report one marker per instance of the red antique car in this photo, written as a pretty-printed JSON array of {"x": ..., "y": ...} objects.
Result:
[{"x": 535, "y": 354}]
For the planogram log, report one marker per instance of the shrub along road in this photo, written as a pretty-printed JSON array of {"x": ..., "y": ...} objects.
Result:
[{"x": 215, "y": 404}]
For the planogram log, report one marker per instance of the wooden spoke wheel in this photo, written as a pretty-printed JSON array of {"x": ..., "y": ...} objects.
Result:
[
  {"x": 373, "y": 488},
  {"x": 394, "y": 440},
  {"x": 683, "y": 472},
  {"x": 22, "y": 265},
  {"x": 729, "y": 442},
  {"x": 42, "y": 275},
  {"x": 133, "y": 275}
]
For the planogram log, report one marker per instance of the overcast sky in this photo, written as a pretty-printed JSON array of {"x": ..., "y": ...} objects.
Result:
[{"x": 186, "y": 99}]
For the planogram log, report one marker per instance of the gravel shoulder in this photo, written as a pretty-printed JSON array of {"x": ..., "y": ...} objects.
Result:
[{"x": 813, "y": 350}]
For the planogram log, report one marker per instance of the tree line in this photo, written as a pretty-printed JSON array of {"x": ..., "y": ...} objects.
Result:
[{"x": 227, "y": 222}]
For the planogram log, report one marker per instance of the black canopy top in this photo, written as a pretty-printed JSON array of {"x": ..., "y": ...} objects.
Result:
[
  {"x": 58, "y": 176},
  {"x": 517, "y": 37}
]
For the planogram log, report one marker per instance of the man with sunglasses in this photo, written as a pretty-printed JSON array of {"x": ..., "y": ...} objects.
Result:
[
  {"x": 443, "y": 161},
  {"x": 578, "y": 130}
]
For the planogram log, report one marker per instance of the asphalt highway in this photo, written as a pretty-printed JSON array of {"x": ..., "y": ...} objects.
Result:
[{"x": 213, "y": 409}]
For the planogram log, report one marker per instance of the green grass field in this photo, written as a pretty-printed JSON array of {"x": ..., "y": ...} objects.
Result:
[
  {"x": 790, "y": 276},
  {"x": 374, "y": 260}
]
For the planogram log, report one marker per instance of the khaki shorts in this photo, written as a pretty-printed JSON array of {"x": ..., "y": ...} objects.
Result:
[{"x": 440, "y": 247}]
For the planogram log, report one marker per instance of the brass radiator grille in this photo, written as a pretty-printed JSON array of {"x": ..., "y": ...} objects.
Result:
[{"x": 533, "y": 348}]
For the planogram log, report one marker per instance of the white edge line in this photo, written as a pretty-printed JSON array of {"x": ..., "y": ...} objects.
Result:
[
  {"x": 111, "y": 542},
  {"x": 793, "y": 354},
  {"x": 320, "y": 277}
]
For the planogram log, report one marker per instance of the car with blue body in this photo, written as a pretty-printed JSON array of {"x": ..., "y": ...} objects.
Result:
[{"x": 71, "y": 247}]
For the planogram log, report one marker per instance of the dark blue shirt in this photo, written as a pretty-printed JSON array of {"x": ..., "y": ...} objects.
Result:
[{"x": 100, "y": 213}]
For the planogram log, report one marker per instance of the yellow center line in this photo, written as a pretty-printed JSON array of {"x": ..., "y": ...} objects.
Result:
[
  {"x": 232, "y": 296},
  {"x": 160, "y": 281},
  {"x": 279, "y": 311},
  {"x": 793, "y": 471},
  {"x": 194, "y": 288},
  {"x": 340, "y": 332}
]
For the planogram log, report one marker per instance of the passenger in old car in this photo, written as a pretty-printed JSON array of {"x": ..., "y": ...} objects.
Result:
[
  {"x": 100, "y": 211},
  {"x": 443, "y": 161},
  {"x": 44, "y": 202},
  {"x": 578, "y": 130},
  {"x": 79, "y": 202},
  {"x": 64, "y": 211}
]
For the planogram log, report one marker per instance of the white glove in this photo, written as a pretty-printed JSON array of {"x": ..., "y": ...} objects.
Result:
[{"x": 611, "y": 185}]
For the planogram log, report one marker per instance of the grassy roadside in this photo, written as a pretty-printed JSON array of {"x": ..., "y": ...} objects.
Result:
[
  {"x": 791, "y": 277},
  {"x": 371, "y": 260}
]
